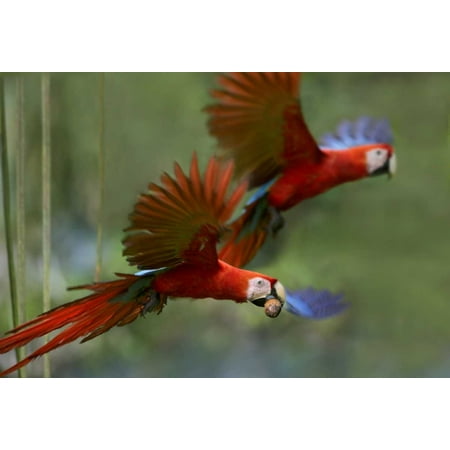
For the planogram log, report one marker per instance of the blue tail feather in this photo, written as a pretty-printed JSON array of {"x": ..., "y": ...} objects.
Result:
[{"x": 315, "y": 304}]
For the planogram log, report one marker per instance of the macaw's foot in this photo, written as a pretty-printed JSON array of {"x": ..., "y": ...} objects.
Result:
[
  {"x": 153, "y": 302},
  {"x": 276, "y": 220}
]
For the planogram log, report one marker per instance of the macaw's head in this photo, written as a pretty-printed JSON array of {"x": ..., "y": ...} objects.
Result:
[
  {"x": 267, "y": 293},
  {"x": 365, "y": 146},
  {"x": 380, "y": 159}
]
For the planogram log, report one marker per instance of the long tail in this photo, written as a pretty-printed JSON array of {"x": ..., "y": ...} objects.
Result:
[
  {"x": 249, "y": 232},
  {"x": 117, "y": 302}
]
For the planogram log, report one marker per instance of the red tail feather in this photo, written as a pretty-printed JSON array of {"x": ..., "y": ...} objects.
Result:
[{"x": 89, "y": 316}]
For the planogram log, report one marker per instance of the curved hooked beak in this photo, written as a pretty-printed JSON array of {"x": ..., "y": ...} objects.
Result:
[
  {"x": 272, "y": 303},
  {"x": 389, "y": 167},
  {"x": 392, "y": 165}
]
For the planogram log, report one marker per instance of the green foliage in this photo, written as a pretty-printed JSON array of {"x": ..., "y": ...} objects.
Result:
[
  {"x": 20, "y": 157},
  {"x": 7, "y": 211},
  {"x": 383, "y": 243},
  {"x": 101, "y": 175},
  {"x": 46, "y": 204}
]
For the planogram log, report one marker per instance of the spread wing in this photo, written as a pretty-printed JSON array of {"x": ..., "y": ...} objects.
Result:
[
  {"x": 258, "y": 122},
  {"x": 181, "y": 220}
]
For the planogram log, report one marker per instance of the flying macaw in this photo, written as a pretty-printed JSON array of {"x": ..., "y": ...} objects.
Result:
[
  {"x": 258, "y": 122},
  {"x": 174, "y": 230}
]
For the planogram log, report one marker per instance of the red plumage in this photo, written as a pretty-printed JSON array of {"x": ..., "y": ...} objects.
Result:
[
  {"x": 259, "y": 124},
  {"x": 88, "y": 316},
  {"x": 174, "y": 230}
]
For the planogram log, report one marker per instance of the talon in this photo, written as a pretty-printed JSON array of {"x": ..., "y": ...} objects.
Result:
[{"x": 153, "y": 301}]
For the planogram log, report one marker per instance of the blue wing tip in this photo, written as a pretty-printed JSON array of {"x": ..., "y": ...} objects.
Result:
[
  {"x": 315, "y": 304},
  {"x": 363, "y": 131}
]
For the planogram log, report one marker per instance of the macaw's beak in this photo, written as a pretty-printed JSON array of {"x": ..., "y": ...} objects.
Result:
[
  {"x": 392, "y": 168},
  {"x": 272, "y": 303},
  {"x": 389, "y": 167}
]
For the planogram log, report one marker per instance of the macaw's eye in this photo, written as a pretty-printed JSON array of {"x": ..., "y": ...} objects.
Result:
[
  {"x": 376, "y": 159},
  {"x": 258, "y": 288}
]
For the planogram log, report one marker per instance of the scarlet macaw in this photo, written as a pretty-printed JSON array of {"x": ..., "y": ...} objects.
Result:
[
  {"x": 258, "y": 122},
  {"x": 172, "y": 239}
]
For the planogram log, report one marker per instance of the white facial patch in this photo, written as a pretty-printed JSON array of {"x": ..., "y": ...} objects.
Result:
[
  {"x": 258, "y": 288},
  {"x": 375, "y": 159}
]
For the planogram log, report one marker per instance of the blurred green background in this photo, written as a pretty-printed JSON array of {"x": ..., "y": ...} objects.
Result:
[{"x": 385, "y": 244}]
